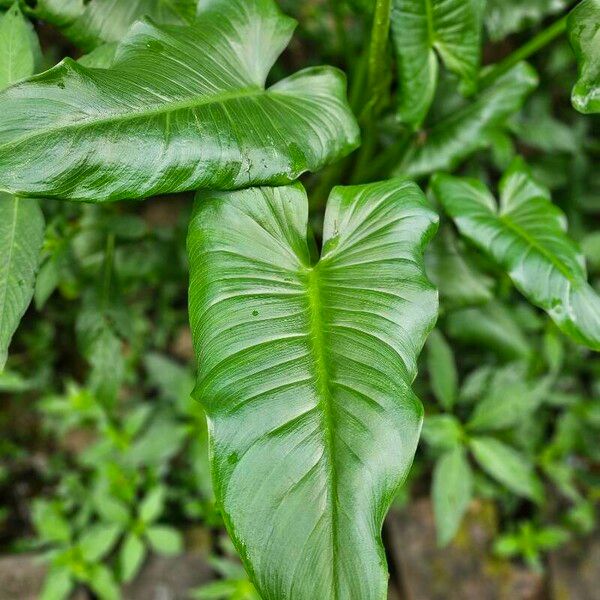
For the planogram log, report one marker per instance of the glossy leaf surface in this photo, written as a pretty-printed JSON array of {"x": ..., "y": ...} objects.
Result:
[
  {"x": 526, "y": 235},
  {"x": 21, "y": 220},
  {"x": 181, "y": 108},
  {"x": 90, "y": 23},
  {"x": 584, "y": 34},
  {"x": 305, "y": 369},
  {"x": 423, "y": 30},
  {"x": 455, "y": 138}
]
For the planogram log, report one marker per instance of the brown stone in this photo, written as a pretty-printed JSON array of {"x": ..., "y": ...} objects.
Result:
[
  {"x": 182, "y": 346},
  {"x": 462, "y": 571},
  {"x": 575, "y": 570},
  {"x": 170, "y": 578},
  {"x": 22, "y": 578}
]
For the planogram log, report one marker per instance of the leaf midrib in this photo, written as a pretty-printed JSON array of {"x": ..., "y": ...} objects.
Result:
[
  {"x": 519, "y": 231},
  {"x": 158, "y": 110},
  {"x": 325, "y": 399}
]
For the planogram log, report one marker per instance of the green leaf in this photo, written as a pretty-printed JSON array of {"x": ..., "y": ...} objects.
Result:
[
  {"x": 583, "y": 26},
  {"x": 442, "y": 370},
  {"x": 21, "y": 238},
  {"x": 508, "y": 401},
  {"x": 305, "y": 369},
  {"x": 493, "y": 326},
  {"x": 97, "y": 541},
  {"x": 452, "y": 490},
  {"x": 19, "y": 48},
  {"x": 457, "y": 136},
  {"x": 459, "y": 282},
  {"x": 526, "y": 236},
  {"x": 442, "y": 432},
  {"x": 100, "y": 58},
  {"x": 49, "y": 522},
  {"x": 58, "y": 584},
  {"x": 165, "y": 540},
  {"x": 21, "y": 221},
  {"x": 181, "y": 108},
  {"x": 503, "y": 17},
  {"x": 424, "y": 29},
  {"x": 89, "y": 23},
  {"x": 507, "y": 466},
  {"x": 152, "y": 505},
  {"x": 103, "y": 583},
  {"x": 131, "y": 557}
]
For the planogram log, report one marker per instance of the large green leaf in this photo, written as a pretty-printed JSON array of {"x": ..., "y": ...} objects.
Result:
[
  {"x": 584, "y": 33},
  {"x": 90, "y": 23},
  {"x": 422, "y": 28},
  {"x": 503, "y": 17},
  {"x": 305, "y": 367},
  {"x": 21, "y": 221},
  {"x": 526, "y": 235},
  {"x": 456, "y": 137},
  {"x": 181, "y": 108}
]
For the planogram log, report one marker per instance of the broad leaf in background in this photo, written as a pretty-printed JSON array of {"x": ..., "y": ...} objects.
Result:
[
  {"x": 305, "y": 368},
  {"x": 452, "y": 490},
  {"x": 509, "y": 467},
  {"x": 503, "y": 17},
  {"x": 19, "y": 48},
  {"x": 526, "y": 235},
  {"x": 493, "y": 326},
  {"x": 467, "y": 130},
  {"x": 21, "y": 220},
  {"x": 442, "y": 370},
  {"x": 584, "y": 34},
  {"x": 181, "y": 108},
  {"x": 422, "y": 28},
  {"x": 510, "y": 398},
  {"x": 459, "y": 282},
  {"x": 90, "y": 23}
]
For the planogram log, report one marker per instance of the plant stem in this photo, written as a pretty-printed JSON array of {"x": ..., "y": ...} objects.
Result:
[
  {"x": 378, "y": 48},
  {"x": 534, "y": 45}
]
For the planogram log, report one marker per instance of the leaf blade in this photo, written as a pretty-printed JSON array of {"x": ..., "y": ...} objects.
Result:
[
  {"x": 526, "y": 236},
  {"x": 283, "y": 346},
  {"x": 583, "y": 26},
  {"x": 166, "y": 117}
]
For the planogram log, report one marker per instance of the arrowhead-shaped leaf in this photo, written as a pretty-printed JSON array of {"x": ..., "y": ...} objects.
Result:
[
  {"x": 90, "y": 23},
  {"x": 526, "y": 235},
  {"x": 305, "y": 374},
  {"x": 181, "y": 108},
  {"x": 422, "y": 28},
  {"x": 584, "y": 33},
  {"x": 455, "y": 138},
  {"x": 21, "y": 221}
]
